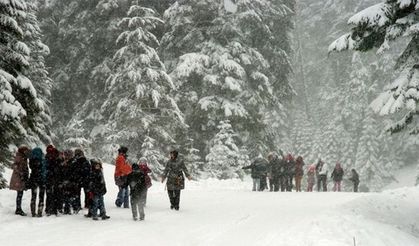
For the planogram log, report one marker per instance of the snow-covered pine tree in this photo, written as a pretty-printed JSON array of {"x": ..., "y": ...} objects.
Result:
[
  {"x": 139, "y": 102},
  {"x": 376, "y": 27},
  {"x": 302, "y": 135},
  {"x": 21, "y": 107},
  {"x": 152, "y": 151},
  {"x": 224, "y": 155},
  {"x": 371, "y": 172},
  {"x": 193, "y": 160},
  {"x": 38, "y": 74}
]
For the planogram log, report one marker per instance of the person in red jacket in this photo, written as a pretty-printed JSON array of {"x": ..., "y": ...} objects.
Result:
[{"x": 122, "y": 169}]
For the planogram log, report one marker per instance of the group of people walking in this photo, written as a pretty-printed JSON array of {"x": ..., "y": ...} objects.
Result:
[
  {"x": 277, "y": 173},
  {"x": 62, "y": 176}
]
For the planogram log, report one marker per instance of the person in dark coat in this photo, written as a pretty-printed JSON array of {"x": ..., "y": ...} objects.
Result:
[
  {"x": 355, "y": 179},
  {"x": 67, "y": 184},
  {"x": 299, "y": 173},
  {"x": 146, "y": 170},
  {"x": 274, "y": 171},
  {"x": 174, "y": 173},
  {"x": 289, "y": 171},
  {"x": 259, "y": 168},
  {"x": 138, "y": 187},
  {"x": 81, "y": 169},
  {"x": 20, "y": 175},
  {"x": 97, "y": 190},
  {"x": 53, "y": 179},
  {"x": 37, "y": 180},
  {"x": 337, "y": 176}
]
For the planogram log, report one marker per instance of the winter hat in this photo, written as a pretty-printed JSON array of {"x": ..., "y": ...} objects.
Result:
[
  {"x": 68, "y": 154},
  {"x": 143, "y": 160},
  {"x": 95, "y": 162},
  {"x": 175, "y": 153},
  {"x": 78, "y": 153},
  {"x": 135, "y": 167},
  {"x": 123, "y": 150},
  {"x": 37, "y": 154},
  {"x": 312, "y": 168}
]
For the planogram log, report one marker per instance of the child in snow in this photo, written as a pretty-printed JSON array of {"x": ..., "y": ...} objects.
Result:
[
  {"x": 137, "y": 184},
  {"x": 97, "y": 190},
  {"x": 310, "y": 177},
  {"x": 146, "y": 170}
]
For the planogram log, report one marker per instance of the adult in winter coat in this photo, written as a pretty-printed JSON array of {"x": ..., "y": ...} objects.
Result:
[
  {"x": 311, "y": 173},
  {"x": 37, "y": 180},
  {"x": 259, "y": 168},
  {"x": 289, "y": 171},
  {"x": 122, "y": 169},
  {"x": 299, "y": 173},
  {"x": 19, "y": 179},
  {"x": 138, "y": 187},
  {"x": 337, "y": 176},
  {"x": 97, "y": 190},
  {"x": 355, "y": 179},
  {"x": 322, "y": 178},
  {"x": 275, "y": 167},
  {"x": 174, "y": 173},
  {"x": 53, "y": 179},
  {"x": 81, "y": 170}
]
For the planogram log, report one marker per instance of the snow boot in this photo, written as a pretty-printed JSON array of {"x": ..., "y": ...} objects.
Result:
[{"x": 20, "y": 212}]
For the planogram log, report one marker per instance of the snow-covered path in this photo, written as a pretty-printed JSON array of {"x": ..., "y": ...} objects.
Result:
[{"x": 227, "y": 213}]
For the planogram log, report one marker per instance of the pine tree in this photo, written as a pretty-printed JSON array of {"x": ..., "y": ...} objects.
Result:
[
  {"x": 155, "y": 158},
  {"x": 224, "y": 155},
  {"x": 139, "y": 102},
  {"x": 24, "y": 116},
  {"x": 370, "y": 170},
  {"x": 376, "y": 27}
]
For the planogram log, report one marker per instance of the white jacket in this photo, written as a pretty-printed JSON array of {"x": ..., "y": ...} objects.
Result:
[{"x": 324, "y": 169}]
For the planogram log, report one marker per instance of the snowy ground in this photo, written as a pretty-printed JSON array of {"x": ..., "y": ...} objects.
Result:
[{"x": 227, "y": 213}]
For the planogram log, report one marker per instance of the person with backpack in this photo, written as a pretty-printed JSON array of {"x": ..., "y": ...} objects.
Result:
[
  {"x": 20, "y": 175},
  {"x": 37, "y": 180},
  {"x": 122, "y": 169},
  {"x": 258, "y": 171},
  {"x": 138, "y": 187},
  {"x": 355, "y": 179},
  {"x": 174, "y": 173},
  {"x": 67, "y": 183},
  {"x": 311, "y": 177},
  {"x": 337, "y": 176},
  {"x": 299, "y": 173},
  {"x": 97, "y": 190}
]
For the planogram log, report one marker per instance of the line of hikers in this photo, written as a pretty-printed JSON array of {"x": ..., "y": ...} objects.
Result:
[
  {"x": 280, "y": 172},
  {"x": 61, "y": 176}
]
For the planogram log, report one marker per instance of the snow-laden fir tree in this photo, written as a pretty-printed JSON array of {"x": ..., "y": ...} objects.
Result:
[
  {"x": 371, "y": 172},
  {"x": 302, "y": 135},
  {"x": 139, "y": 100},
  {"x": 376, "y": 27},
  {"x": 151, "y": 150},
  {"x": 23, "y": 112},
  {"x": 224, "y": 154},
  {"x": 193, "y": 160}
]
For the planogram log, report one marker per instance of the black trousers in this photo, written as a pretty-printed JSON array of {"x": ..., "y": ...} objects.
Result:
[
  {"x": 274, "y": 183},
  {"x": 174, "y": 196},
  {"x": 19, "y": 200}
]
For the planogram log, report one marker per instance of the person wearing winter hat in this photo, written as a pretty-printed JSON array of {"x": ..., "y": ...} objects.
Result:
[
  {"x": 53, "y": 178},
  {"x": 19, "y": 179},
  {"x": 137, "y": 184},
  {"x": 337, "y": 176},
  {"x": 122, "y": 169}
]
